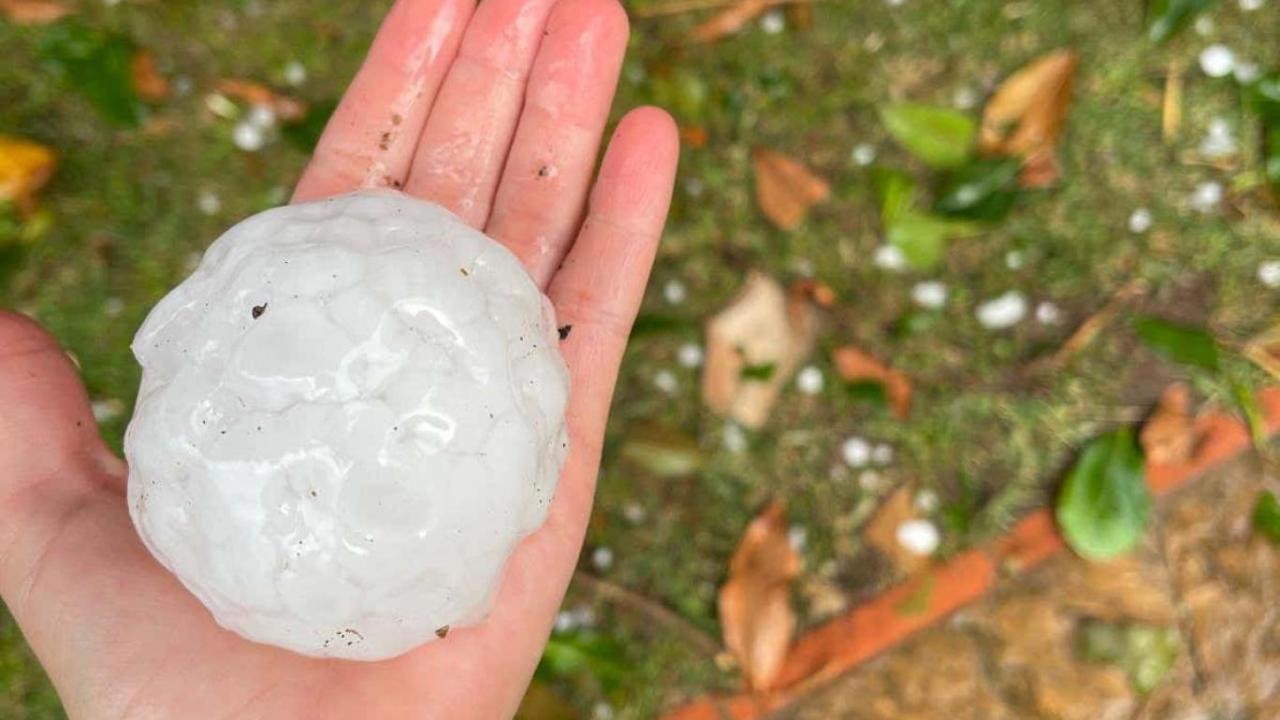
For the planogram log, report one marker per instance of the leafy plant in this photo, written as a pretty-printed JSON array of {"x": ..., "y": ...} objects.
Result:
[
  {"x": 941, "y": 137},
  {"x": 99, "y": 66},
  {"x": 985, "y": 189},
  {"x": 1166, "y": 18},
  {"x": 1147, "y": 653},
  {"x": 1266, "y": 517},
  {"x": 1180, "y": 343},
  {"x": 583, "y": 653},
  {"x": 1104, "y": 504}
]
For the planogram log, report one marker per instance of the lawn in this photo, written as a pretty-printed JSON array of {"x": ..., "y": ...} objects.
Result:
[{"x": 991, "y": 430}]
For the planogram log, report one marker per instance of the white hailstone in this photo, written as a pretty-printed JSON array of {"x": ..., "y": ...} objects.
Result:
[
  {"x": 1217, "y": 61},
  {"x": 882, "y": 454},
  {"x": 350, "y": 415},
  {"x": 773, "y": 23},
  {"x": 965, "y": 98},
  {"x": 856, "y": 452},
  {"x": 602, "y": 558},
  {"x": 674, "y": 292},
  {"x": 1015, "y": 259},
  {"x": 895, "y": 3},
  {"x": 871, "y": 481},
  {"x": 1048, "y": 313},
  {"x": 1207, "y": 197},
  {"x": 890, "y": 257},
  {"x": 1002, "y": 312},
  {"x": 926, "y": 501},
  {"x": 1204, "y": 26},
  {"x": 248, "y": 136},
  {"x": 797, "y": 537},
  {"x": 1269, "y": 273},
  {"x": 666, "y": 381},
  {"x": 105, "y": 410},
  {"x": 1140, "y": 221},
  {"x": 566, "y": 621},
  {"x": 634, "y": 512},
  {"x": 930, "y": 294},
  {"x": 295, "y": 73},
  {"x": 863, "y": 154},
  {"x": 602, "y": 711},
  {"x": 261, "y": 116},
  {"x": 209, "y": 202},
  {"x": 689, "y": 355},
  {"x": 1246, "y": 72},
  {"x": 1218, "y": 142},
  {"x": 735, "y": 438},
  {"x": 918, "y": 537},
  {"x": 113, "y": 306},
  {"x": 1252, "y": 5},
  {"x": 809, "y": 380},
  {"x": 583, "y": 616}
]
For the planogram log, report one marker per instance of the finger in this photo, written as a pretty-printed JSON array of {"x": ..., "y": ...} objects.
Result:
[
  {"x": 465, "y": 141},
  {"x": 370, "y": 139},
  {"x": 544, "y": 184}
]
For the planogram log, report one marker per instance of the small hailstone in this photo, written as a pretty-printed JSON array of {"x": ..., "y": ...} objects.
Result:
[
  {"x": 882, "y": 454},
  {"x": 105, "y": 410},
  {"x": 209, "y": 202},
  {"x": 1251, "y": 5},
  {"x": 566, "y": 621},
  {"x": 1269, "y": 273},
  {"x": 689, "y": 355},
  {"x": 918, "y": 537},
  {"x": 1217, "y": 61},
  {"x": 113, "y": 306},
  {"x": 248, "y": 137},
  {"x": 890, "y": 257},
  {"x": 261, "y": 116},
  {"x": 1204, "y": 26},
  {"x": 1207, "y": 197},
  {"x": 1246, "y": 72},
  {"x": 856, "y": 452},
  {"x": 1140, "y": 221},
  {"x": 634, "y": 512},
  {"x": 804, "y": 267},
  {"x": 871, "y": 481},
  {"x": 602, "y": 711},
  {"x": 183, "y": 85},
  {"x": 773, "y": 23},
  {"x": 863, "y": 154},
  {"x": 809, "y": 380},
  {"x": 674, "y": 292},
  {"x": 666, "y": 381},
  {"x": 602, "y": 558},
  {"x": 295, "y": 73},
  {"x": 1015, "y": 259},
  {"x": 926, "y": 501},
  {"x": 1219, "y": 142},
  {"x": 1048, "y": 313},
  {"x": 797, "y": 537},
  {"x": 735, "y": 438},
  {"x": 1002, "y": 312},
  {"x": 965, "y": 98},
  {"x": 930, "y": 294},
  {"x": 583, "y": 616}
]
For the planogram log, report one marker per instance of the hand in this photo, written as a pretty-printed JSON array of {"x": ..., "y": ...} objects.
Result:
[{"x": 495, "y": 112}]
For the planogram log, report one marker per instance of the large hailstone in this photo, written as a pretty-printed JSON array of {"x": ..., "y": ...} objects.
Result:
[{"x": 350, "y": 414}]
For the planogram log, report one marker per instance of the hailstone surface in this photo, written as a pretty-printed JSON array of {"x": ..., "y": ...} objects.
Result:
[{"x": 350, "y": 414}]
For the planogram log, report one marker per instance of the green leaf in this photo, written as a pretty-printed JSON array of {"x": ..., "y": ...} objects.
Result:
[
  {"x": 1264, "y": 96},
  {"x": 985, "y": 189},
  {"x": 662, "y": 452},
  {"x": 1104, "y": 503},
  {"x": 1166, "y": 18},
  {"x": 575, "y": 653},
  {"x": 1271, "y": 154},
  {"x": 305, "y": 133},
  {"x": 923, "y": 238},
  {"x": 1266, "y": 517},
  {"x": 896, "y": 191},
  {"x": 1253, "y": 415},
  {"x": 1146, "y": 652},
  {"x": 652, "y": 324},
  {"x": 11, "y": 257},
  {"x": 868, "y": 391},
  {"x": 941, "y": 137},
  {"x": 759, "y": 373},
  {"x": 99, "y": 66},
  {"x": 1186, "y": 345}
]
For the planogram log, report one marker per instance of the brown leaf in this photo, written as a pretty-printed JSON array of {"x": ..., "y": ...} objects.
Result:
[
  {"x": 1168, "y": 436},
  {"x": 760, "y": 333},
  {"x": 34, "y": 12},
  {"x": 816, "y": 291},
  {"x": 730, "y": 20},
  {"x": 855, "y": 365},
  {"x": 286, "y": 108},
  {"x": 881, "y": 531},
  {"x": 1264, "y": 350},
  {"x": 25, "y": 167},
  {"x": 785, "y": 188},
  {"x": 695, "y": 136},
  {"x": 1026, "y": 115},
  {"x": 1171, "y": 105},
  {"x": 755, "y": 602},
  {"x": 147, "y": 80}
]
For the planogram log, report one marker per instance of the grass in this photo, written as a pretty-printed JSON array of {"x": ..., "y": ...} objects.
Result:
[{"x": 989, "y": 439}]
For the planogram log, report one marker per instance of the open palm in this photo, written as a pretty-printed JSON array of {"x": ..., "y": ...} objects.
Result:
[{"x": 495, "y": 112}]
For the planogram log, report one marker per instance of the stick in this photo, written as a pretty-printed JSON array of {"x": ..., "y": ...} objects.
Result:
[
  {"x": 624, "y": 597},
  {"x": 1091, "y": 326}
]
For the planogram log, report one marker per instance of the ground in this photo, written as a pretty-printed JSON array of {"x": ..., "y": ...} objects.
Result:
[{"x": 132, "y": 209}]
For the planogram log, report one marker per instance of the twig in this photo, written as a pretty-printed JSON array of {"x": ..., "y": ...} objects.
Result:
[
  {"x": 679, "y": 7},
  {"x": 1091, "y": 326},
  {"x": 661, "y": 614}
]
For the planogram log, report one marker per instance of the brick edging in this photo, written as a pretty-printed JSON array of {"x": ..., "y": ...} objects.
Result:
[{"x": 886, "y": 620}]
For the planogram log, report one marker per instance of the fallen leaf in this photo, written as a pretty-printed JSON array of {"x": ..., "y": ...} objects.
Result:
[
  {"x": 147, "y": 80},
  {"x": 1266, "y": 517},
  {"x": 1026, "y": 115},
  {"x": 881, "y": 531},
  {"x": 695, "y": 136},
  {"x": 25, "y": 167},
  {"x": 815, "y": 291},
  {"x": 1264, "y": 350},
  {"x": 34, "y": 12},
  {"x": 760, "y": 328},
  {"x": 661, "y": 451},
  {"x": 1168, "y": 436},
  {"x": 286, "y": 108},
  {"x": 941, "y": 137},
  {"x": 1188, "y": 345},
  {"x": 730, "y": 20},
  {"x": 1166, "y": 18},
  {"x": 1171, "y": 105},
  {"x": 97, "y": 65},
  {"x": 785, "y": 188},
  {"x": 857, "y": 366},
  {"x": 755, "y": 602},
  {"x": 800, "y": 15},
  {"x": 1104, "y": 504}
]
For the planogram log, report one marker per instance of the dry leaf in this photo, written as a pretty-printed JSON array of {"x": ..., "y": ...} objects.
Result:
[
  {"x": 753, "y": 347},
  {"x": 755, "y": 602},
  {"x": 855, "y": 365},
  {"x": 785, "y": 188},
  {"x": 730, "y": 20},
  {"x": 147, "y": 80},
  {"x": 881, "y": 531},
  {"x": 25, "y": 167},
  {"x": 694, "y": 136},
  {"x": 1026, "y": 115},
  {"x": 1171, "y": 111},
  {"x": 286, "y": 108},
  {"x": 1168, "y": 436},
  {"x": 1264, "y": 350},
  {"x": 816, "y": 291},
  {"x": 34, "y": 12}
]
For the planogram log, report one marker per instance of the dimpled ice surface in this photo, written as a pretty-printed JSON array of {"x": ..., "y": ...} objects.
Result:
[{"x": 350, "y": 414}]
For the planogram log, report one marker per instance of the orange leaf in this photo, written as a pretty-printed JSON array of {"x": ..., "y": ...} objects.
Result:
[
  {"x": 785, "y": 188},
  {"x": 755, "y": 602},
  {"x": 855, "y": 365},
  {"x": 760, "y": 329},
  {"x": 695, "y": 136},
  {"x": 34, "y": 12},
  {"x": 254, "y": 93},
  {"x": 147, "y": 80},
  {"x": 730, "y": 20},
  {"x": 25, "y": 167},
  {"x": 1168, "y": 436},
  {"x": 1028, "y": 112}
]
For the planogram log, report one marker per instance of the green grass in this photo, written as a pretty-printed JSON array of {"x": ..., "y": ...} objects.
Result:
[{"x": 984, "y": 434}]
